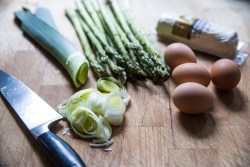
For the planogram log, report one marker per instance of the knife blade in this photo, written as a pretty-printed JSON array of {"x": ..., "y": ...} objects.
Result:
[{"x": 38, "y": 117}]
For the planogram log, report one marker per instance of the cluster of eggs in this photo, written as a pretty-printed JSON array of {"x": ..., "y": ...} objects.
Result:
[{"x": 191, "y": 94}]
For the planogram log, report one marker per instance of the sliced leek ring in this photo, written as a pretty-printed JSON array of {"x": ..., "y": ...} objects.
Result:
[{"x": 109, "y": 84}]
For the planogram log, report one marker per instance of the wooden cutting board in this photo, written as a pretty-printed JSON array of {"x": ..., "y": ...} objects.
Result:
[{"x": 154, "y": 132}]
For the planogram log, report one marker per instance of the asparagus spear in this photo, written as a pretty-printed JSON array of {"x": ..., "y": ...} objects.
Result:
[
  {"x": 72, "y": 15},
  {"x": 122, "y": 22},
  {"x": 95, "y": 31},
  {"x": 88, "y": 20},
  {"x": 93, "y": 11},
  {"x": 132, "y": 67},
  {"x": 142, "y": 57},
  {"x": 89, "y": 6},
  {"x": 102, "y": 53},
  {"x": 123, "y": 37},
  {"x": 146, "y": 43},
  {"x": 94, "y": 41},
  {"x": 99, "y": 20}
]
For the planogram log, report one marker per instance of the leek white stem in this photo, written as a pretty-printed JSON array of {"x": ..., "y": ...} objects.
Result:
[{"x": 91, "y": 113}]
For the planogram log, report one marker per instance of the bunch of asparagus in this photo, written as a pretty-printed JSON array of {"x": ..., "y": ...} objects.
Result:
[{"x": 113, "y": 43}]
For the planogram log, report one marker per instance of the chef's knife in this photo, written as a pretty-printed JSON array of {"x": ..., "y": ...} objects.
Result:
[{"x": 37, "y": 116}]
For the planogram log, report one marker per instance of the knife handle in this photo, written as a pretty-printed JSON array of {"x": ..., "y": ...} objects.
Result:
[{"x": 59, "y": 151}]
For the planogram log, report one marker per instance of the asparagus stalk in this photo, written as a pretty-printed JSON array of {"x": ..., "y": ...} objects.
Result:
[
  {"x": 102, "y": 53},
  {"x": 94, "y": 41},
  {"x": 93, "y": 11},
  {"x": 122, "y": 22},
  {"x": 88, "y": 20},
  {"x": 146, "y": 43},
  {"x": 123, "y": 74},
  {"x": 123, "y": 37},
  {"x": 72, "y": 15},
  {"x": 132, "y": 67},
  {"x": 142, "y": 57},
  {"x": 118, "y": 70},
  {"x": 106, "y": 29},
  {"x": 89, "y": 6},
  {"x": 96, "y": 32}
]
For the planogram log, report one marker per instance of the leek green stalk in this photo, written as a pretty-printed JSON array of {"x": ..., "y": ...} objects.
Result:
[
  {"x": 44, "y": 14},
  {"x": 57, "y": 45}
]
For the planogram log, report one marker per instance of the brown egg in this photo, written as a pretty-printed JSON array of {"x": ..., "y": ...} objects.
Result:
[
  {"x": 178, "y": 53},
  {"x": 225, "y": 74},
  {"x": 191, "y": 72},
  {"x": 192, "y": 98}
]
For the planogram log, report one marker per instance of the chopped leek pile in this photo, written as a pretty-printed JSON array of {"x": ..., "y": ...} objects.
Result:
[
  {"x": 91, "y": 112},
  {"x": 113, "y": 42},
  {"x": 56, "y": 44}
]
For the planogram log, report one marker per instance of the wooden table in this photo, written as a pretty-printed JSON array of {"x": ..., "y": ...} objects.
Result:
[{"x": 154, "y": 133}]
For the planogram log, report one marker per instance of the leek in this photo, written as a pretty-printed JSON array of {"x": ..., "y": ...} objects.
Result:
[
  {"x": 114, "y": 108},
  {"x": 84, "y": 121},
  {"x": 109, "y": 84},
  {"x": 91, "y": 113},
  {"x": 111, "y": 106},
  {"x": 56, "y": 44},
  {"x": 45, "y": 15}
]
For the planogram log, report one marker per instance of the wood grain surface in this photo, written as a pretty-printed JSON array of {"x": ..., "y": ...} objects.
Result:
[{"x": 154, "y": 133}]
